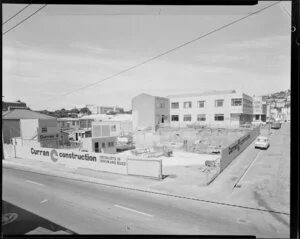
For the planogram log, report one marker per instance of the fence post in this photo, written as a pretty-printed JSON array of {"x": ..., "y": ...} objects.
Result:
[{"x": 161, "y": 171}]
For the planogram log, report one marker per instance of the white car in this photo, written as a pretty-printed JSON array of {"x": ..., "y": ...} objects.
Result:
[{"x": 262, "y": 142}]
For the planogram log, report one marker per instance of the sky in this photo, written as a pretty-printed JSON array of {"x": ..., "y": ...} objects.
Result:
[{"x": 66, "y": 47}]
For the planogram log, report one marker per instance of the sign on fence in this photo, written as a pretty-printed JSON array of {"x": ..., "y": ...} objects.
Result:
[
  {"x": 232, "y": 151},
  {"x": 97, "y": 161}
]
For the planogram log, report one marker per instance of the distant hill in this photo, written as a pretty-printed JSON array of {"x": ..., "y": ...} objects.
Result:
[{"x": 277, "y": 95}]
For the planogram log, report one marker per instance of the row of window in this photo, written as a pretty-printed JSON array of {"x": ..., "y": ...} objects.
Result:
[
  {"x": 201, "y": 103},
  {"x": 109, "y": 144},
  {"x": 200, "y": 117}
]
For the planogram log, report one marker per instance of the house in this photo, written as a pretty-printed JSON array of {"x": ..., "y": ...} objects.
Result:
[{"x": 11, "y": 123}]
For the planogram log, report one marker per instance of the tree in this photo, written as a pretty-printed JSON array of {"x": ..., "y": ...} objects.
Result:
[
  {"x": 85, "y": 110},
  {"x": 75, "y": 110}
]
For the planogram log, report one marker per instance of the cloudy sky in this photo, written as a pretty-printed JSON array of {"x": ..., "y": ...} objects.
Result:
[{"x": 64, "y": 48}]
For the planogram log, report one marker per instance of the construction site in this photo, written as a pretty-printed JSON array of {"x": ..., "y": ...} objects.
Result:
[{"x": 182, "y": 150}]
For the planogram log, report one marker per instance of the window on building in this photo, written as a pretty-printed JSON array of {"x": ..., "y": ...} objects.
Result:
[
  {"x": 175, "y": 117},
  {"x": 201, "y": 117},
  {"x": 96, "y": 147},
  {"x": 113, "y": 128},
  {"x": 110, "y": 144},
  {"x": 201, "y": 104},
  {"x": 73, "y": 122},
  {"x": 103, "y": 145},
  {"x": 219, "y": 117},
  {"x": 256, "y": 117},
  {"x": 44, "y": 130},
  {"x": 187, "y": 118},
  {"x": 219, "y": 103},
  {"x": 187, "y": 104},
  {"x": 236, "y": 102},
  {"x": 174, "y": 105}
]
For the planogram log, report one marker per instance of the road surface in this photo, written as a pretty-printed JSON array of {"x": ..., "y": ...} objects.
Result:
[
  {"x": 16, "y": 220},
  {"x": 88, "y": 208}
]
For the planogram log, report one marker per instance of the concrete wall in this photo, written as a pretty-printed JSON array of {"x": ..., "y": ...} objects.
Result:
[
  {"x": 29, "y": 128},
  {"x": 232, "y": 151},
  {"x": 10, "y": 129},
  {"x": 143, "y": 111}
]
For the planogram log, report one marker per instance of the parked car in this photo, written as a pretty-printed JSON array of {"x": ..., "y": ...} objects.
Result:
[
  {"x": 276, "y": 125},
  {"x": 262, "y": 142}
]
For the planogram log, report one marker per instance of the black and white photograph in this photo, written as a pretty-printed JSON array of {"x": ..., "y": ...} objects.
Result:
[{"x": 146, "y": 119}]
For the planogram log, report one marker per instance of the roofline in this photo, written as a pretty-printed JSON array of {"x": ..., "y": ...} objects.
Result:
[{"x": 207, "y": 93}]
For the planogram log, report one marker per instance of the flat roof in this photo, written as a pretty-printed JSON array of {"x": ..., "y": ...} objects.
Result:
[
  {"x": 25, "y": 114},
  {"x": 205, "y": 93}
]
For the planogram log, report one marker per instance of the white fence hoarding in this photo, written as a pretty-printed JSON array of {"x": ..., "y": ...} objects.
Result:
[
  {"x": 146, "y": 167},
  {"x": 96, "y": 161},
  {"x": 232, "y": 151}
]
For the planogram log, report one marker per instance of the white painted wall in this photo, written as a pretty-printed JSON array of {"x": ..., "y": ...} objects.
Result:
[{"x": 209, "y": 108}]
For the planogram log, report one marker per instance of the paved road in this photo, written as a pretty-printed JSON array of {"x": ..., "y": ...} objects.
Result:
[
  {"x": 268, "y": 178},
  {"x": 87, "y": 208},
  {"x": 16, "y": 220}
]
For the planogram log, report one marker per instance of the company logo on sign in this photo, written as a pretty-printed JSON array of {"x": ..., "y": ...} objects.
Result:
[
  {"x": 54, "y": 155},
  {"x": 48, "y": 137},
  {"x": 237, "y": 145}
]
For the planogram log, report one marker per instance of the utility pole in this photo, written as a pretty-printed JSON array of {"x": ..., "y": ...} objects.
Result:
[{"x": 2, "y": 137}]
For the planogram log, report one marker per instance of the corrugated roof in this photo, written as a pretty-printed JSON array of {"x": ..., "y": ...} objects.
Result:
[
  {"x": 213, "y": 92},
  {"x": 25, "y": 114}
]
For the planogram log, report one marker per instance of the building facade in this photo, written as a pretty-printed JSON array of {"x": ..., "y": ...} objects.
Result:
[
  {"x": 259, "y": 109},
  {"x": 215, "y": 108},
  {"x": 40, "y": 131},
  {"x": 150, "y": 111},
  {"x": 11, "y": 127}
]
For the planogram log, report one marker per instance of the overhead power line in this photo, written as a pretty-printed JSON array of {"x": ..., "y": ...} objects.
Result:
[
  {"x": 24, "y": 19},
  {"x": 171, "y": 50},
  {"x": 16, "y": 14},
  {"x": 284, "y": 9}
]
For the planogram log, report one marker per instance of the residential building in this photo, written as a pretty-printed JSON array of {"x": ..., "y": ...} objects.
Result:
[
  {"x": 150, "y": 111},
  {"x": 11, "y": 127},
  {"x": 259, "y": 109},
  {"x": 213, "y": 108},
  {"x": 68, "y": 123}
]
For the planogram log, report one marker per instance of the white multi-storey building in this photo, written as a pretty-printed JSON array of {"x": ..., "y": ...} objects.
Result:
[
  {"x": 214, "y": 108},
  {"x": 259, "y": 109}
]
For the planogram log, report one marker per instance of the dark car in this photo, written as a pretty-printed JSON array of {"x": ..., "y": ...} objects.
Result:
[{"x": 276, "y": 125}]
